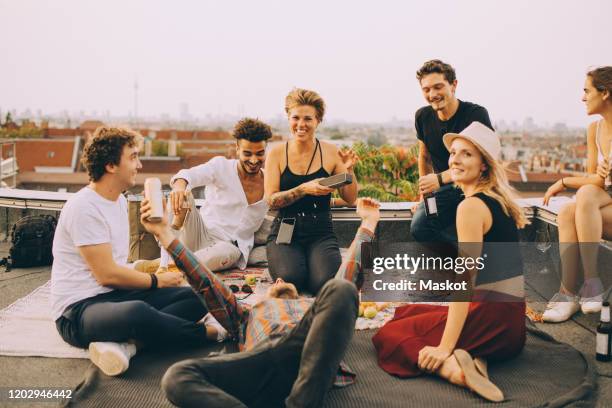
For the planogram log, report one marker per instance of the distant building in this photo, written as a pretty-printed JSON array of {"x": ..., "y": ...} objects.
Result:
[
  {"x": 524, "y": 180},
  {"x": 90, "y": 125},
  {"x": 52, "y": 162}
]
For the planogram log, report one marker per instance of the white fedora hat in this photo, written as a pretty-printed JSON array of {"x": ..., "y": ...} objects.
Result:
[{"x": 478, "y": 134}]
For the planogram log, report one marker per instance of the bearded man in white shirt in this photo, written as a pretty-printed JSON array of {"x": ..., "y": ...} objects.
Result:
[{"x": 222, "y": 234}]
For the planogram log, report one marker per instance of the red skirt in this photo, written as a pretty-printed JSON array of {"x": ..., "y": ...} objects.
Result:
[{"x": 492, "y": 330}]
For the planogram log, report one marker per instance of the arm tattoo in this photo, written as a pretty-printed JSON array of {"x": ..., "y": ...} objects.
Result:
[{"x": 285, "y": 198}]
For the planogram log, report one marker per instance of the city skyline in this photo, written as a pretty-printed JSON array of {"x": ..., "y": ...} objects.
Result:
[
  {"x": 228, "y": 119},
  {"x": 241, "y": 59}
]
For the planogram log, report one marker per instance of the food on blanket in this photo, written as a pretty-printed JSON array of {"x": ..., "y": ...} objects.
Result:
[
  {"x": 370, "y": 312},
  {"x": 382, "y": 306},
  {"x": 172, "y": 268},
  {"x": 250, "y": 279},
  {"x": 378, "y": 306},
  {"x": 152, "y": 266},
  {"x": 147, "y": 266},
  {"x": 169, "y": 268},
  {"x": 534, "y": 315}
]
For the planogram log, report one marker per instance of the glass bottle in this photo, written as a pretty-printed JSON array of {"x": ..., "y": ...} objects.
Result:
[{"x": 604, "y": 334}]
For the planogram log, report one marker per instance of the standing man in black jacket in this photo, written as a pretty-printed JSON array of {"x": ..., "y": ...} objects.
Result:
[{"x": 444, "y": 114}]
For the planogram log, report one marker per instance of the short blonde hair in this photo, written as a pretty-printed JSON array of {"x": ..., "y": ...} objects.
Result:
[{"x": 301, "y": 97}]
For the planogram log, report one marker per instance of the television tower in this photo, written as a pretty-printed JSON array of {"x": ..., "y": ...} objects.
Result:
[{"x": 135, "y": 102}]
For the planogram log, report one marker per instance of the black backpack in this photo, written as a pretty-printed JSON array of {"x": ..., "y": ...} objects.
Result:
[{"x": 32, "y": 241}]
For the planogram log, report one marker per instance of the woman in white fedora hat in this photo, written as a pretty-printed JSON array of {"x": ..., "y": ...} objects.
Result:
[
  {"x": 454, "y": 341},
  {"x": 584, "y": 222}
]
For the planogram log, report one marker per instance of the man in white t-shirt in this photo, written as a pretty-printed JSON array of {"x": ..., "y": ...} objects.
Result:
[
  {"x": 96, "y": 300},
  {"x": 222, "y": 235}
]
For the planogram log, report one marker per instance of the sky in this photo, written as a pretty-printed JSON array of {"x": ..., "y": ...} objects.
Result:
[{"x": 518, "y": 58}]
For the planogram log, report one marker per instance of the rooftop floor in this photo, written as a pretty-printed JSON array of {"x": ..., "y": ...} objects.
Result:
[{"x": 24, "y": 372}]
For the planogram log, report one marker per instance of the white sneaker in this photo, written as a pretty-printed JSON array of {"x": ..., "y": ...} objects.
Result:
[
  {"x": 111, "y": 358},
  {"x": 209, "y": 320},
  {"x": 591, "y": 304},
  {"x": 560, "y": 308},
  {"x": 591, "y": 296}
]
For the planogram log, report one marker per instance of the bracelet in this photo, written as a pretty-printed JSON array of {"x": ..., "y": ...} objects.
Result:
[
  {"x": 563, "y": 183},
  {"x": 153, "y": 281},
  {"x": 440, "y": 181}
]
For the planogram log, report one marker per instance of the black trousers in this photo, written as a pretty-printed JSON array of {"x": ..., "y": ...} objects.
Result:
[
  {"x": 295, "y": 370},
  {"x": 151, "y": 317},
  {"x": 312, "y": 258}
]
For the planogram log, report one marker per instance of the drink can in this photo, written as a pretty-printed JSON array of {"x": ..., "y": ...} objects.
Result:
[{"x": 153, "y": 193}]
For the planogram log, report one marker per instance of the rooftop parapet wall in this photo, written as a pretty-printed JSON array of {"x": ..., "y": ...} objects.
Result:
[{"x": 395, "y": 217}]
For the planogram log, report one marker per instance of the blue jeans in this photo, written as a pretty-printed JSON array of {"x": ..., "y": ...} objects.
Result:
[{"x": 443, "y": 227}]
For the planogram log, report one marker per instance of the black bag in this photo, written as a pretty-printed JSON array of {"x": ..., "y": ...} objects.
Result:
[{"x": 32, "y": 241}]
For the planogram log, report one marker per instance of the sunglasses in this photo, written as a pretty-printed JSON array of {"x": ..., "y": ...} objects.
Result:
[{"x": 245, "y": 288}]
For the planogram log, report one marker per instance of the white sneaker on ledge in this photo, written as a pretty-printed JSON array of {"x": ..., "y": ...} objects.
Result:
[
  {"x": 591, "y": 304},
  {"x": 560, "y": 308},
  {"x": 111, "y": 358},
  {"x": 591, "y": 296}
]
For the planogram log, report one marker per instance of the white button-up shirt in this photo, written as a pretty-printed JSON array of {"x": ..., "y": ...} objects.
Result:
[{"x": 226, "y": 212}]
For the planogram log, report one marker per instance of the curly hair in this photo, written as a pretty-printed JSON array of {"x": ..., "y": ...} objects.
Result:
[
  {"x": 436, "y": 66},
  {"x": 106, "y": 147},
  {"x": 252, "y": 130},
  {"x": 301, "y": 97}
]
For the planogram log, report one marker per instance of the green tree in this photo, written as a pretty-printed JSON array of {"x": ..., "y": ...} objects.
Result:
[
  {"x": 21, "y": 133},
  {"x": 160, "y": 148},
  {"x": 387, "y": 173}
]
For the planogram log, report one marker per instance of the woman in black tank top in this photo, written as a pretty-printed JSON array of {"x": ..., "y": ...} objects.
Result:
[
  {"x": 290, "y": 180},
  {"x": 454, "y": 342},
  {"x": 292, "y": 175}
]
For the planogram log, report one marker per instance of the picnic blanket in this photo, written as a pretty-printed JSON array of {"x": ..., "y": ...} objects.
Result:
[{"x": 27, "y": 327}]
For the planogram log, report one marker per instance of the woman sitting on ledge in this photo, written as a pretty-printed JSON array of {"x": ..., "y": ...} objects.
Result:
[
  {"x": 453, "y": 342},
  {"x": 583, "y": 223}
]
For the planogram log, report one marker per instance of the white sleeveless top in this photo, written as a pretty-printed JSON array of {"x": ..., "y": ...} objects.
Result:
[{"x": 600, "y": 155}]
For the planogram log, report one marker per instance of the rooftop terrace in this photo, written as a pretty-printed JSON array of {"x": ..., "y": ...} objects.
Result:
[{"x": 24, "y": 372}]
